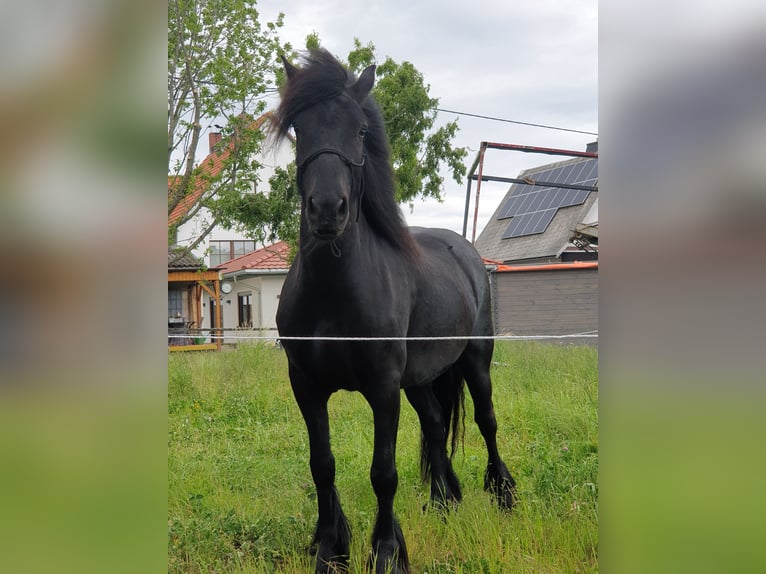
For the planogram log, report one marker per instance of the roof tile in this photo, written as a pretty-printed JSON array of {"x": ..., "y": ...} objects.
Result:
[{"x": 270, "y": 257}]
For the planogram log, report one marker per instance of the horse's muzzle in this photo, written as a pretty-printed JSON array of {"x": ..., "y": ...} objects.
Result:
[{"x": 327, "y": 216}]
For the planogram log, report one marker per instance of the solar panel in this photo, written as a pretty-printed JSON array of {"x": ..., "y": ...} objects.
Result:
[
  {"x": 515, "y": 205},
  {"x": 529, "y": 223},
  {"x": 576, "y": 172},
  {"x": 532, "y": 208},
  {"x": 566, "y": 175}
]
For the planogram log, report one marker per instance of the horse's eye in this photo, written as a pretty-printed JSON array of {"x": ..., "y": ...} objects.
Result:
[{"x": 362, "y": 132}]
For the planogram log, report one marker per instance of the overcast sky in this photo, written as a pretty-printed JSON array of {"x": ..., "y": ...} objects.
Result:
[{"x": 527, "y": 60}]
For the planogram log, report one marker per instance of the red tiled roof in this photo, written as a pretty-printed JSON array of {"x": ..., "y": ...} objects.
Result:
[
  {"x": 269, "y": 257},
  {"x": 211, "y": 166}
]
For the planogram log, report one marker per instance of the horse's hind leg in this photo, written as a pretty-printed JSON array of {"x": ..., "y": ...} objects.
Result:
[
  {"x": 474, "y": 364},
  {"x": 445, "y": 487},
  {"x": 332, "y": 536}
]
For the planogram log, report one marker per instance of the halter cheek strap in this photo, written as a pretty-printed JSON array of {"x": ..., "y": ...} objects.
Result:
[{"x": 350, "y": 163}]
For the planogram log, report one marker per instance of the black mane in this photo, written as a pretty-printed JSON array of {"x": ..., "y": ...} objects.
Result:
[{"x": 321, "y": 78}]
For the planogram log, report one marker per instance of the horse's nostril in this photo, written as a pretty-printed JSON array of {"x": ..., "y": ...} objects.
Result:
[
  {"x": 342, "y": 206},
  {"x": 311, "y": 205}
]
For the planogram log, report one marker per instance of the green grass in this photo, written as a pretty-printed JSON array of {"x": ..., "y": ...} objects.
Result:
[{"x": 241, "y": 498}]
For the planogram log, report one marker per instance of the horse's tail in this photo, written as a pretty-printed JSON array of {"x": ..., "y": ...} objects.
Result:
[{"x": 449, "y": 391}]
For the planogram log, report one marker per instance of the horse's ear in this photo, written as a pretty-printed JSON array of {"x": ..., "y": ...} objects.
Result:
[
  {"x": 289, "y": 68},
  {"x": 361, "y": 88}
]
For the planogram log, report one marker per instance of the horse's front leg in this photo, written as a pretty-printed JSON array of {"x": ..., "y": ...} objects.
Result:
[
  {"x": 332, "y": 536},
  {"x": 388, "y": 547}
]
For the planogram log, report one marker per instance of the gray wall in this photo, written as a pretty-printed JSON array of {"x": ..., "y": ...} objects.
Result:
[{"x": 551, "y": 302}]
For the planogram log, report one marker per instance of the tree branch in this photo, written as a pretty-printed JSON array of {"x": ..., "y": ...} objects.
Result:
[{"x": 184, "y": 251}]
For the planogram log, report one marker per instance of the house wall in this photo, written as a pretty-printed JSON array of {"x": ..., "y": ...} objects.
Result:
[
  {"x": 265, "y": 290},
  {"x": 545, "y": 302},
  {"x": 271, "y": 287},
  {"x": 241, "y": 285}
]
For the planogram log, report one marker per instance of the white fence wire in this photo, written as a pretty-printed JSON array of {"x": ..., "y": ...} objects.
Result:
[{"x": 277, "y": 337}]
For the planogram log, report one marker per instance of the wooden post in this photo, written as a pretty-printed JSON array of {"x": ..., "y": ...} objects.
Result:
[
  {"x": 218, "y": 321},
  {"x": 215, "y": 293},
  {"x": 198, "y": 298}
]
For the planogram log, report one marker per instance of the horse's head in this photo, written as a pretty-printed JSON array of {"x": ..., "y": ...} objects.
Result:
[{"x": 330, "y": 127}]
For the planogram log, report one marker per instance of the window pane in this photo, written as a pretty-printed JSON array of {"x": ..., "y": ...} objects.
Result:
[{"x": 175, "y": 302}]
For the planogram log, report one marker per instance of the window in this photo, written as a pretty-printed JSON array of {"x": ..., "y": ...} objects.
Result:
[
  {"x": 175, "y": 302},
  {"x": 222, "y": 251},
  {"x": 245, "y": 309}
]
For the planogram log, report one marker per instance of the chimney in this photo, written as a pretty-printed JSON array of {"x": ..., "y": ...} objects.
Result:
[
  {"x": 214, "y": 138},
  {"x": 592, "y": 147}
]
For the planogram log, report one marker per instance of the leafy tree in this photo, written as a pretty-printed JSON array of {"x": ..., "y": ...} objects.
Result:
[{"x": 221, "y": 64}]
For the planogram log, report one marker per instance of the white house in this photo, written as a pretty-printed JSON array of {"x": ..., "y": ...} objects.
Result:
[
  {"x": 223, "y": 246},
  {"x": 251, "y": 285}
]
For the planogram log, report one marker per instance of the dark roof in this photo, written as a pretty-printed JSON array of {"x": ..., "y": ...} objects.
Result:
[
  {"x": 185, "y": 262},
  {"x": 546, "y": 245}
]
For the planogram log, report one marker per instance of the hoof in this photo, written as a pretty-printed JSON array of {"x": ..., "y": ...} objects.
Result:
[
  {"x": 387, "y": 562},
  {"x": 502, "y": 486},
  {"x": 506, "y": 496},
  {"x": 389, "y": 555},
  {"x": 442, "y": 505},
  {"x": 446, "y": 493},
  {"x": 331, "y": 567}
]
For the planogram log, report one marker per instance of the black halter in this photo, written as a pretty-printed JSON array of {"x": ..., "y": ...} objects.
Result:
[{"x": 301, "y": 167}]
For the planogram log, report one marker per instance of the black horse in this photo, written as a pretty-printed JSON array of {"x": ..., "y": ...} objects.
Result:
[{"x": 360, "y": 272}]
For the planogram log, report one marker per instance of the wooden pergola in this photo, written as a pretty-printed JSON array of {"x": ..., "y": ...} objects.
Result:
[{"x": 189, "y": 273}]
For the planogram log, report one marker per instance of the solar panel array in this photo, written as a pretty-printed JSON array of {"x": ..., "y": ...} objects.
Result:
[{"x": 532, "y": 208}]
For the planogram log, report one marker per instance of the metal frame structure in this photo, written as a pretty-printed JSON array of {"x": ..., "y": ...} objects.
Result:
[{"x": 479, "y": 162}]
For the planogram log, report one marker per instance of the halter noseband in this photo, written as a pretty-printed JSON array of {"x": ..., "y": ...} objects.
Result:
[{"x": 349, "y": 162}]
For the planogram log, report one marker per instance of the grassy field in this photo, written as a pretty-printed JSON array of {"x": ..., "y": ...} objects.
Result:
[{"x": 241, "y": 498}]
